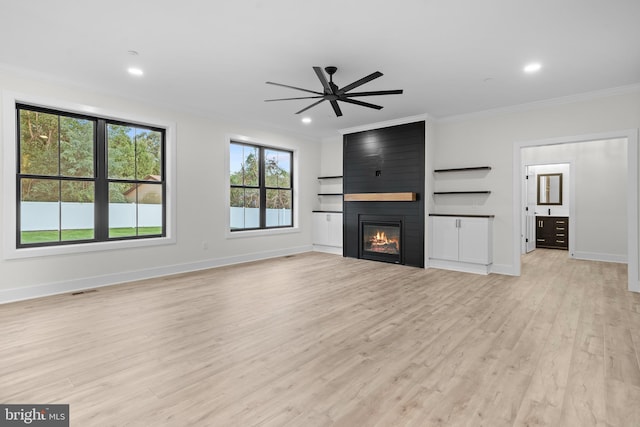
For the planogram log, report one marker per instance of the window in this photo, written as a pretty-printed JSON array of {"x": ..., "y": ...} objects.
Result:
[
  {"x": 87, "y": 179},
  {"x": 261, "y": 193}
]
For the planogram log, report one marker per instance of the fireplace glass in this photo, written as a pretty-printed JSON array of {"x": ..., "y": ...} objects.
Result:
[{"x": 381, "y": 241}]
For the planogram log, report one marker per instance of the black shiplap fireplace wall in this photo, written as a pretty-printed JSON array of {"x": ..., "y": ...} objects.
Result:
[{"x": 386, "y": 160}]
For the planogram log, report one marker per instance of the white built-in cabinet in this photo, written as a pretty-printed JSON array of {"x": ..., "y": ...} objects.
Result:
[
  {"x": 463, "y": 243},
  {"x": 327, "y": 229}
]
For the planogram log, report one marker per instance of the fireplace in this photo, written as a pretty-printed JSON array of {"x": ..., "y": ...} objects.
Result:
[
  {"x": 381, "y": 240},
  {"x": 380, "y": 163}
]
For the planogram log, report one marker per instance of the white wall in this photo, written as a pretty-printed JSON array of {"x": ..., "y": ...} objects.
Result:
[
  {"x": 330, "y": 165},
  {"x": 201, "y": 210},
  {"x": 489, "y": 139}
]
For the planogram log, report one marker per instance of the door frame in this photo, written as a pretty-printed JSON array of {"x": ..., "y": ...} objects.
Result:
[{"x": 631, "y": 136}]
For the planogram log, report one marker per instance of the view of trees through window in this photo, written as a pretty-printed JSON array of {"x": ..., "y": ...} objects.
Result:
[
  {"x": 261, "y": 194},
  {"x": 79, "y": 184}
]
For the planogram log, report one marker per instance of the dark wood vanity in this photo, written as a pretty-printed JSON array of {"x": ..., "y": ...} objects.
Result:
[{"x": 552, "y": 232}]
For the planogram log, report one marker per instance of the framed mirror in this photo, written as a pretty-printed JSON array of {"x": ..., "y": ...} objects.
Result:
[{"x": 550, "y": 189}]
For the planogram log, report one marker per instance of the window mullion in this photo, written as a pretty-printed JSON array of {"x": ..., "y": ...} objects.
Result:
[
  {"x": 263, "y": 192},
  {"x": 102, "y": 183}
]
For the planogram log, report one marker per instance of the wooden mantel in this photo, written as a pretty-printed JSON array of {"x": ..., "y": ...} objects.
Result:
[{"x": 380, "y": 197}]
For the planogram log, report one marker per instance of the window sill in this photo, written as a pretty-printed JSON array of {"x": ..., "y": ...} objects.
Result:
[
  {"x": 257, "y": 233},
  {"x": 11, "y": 253}
]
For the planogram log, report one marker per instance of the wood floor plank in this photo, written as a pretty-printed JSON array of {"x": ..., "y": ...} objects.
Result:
[{"x": 321, "y": 340}]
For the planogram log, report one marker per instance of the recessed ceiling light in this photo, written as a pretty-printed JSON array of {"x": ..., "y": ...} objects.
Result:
[
  {"x": 135, "y": 71},
  {"x": 533, "y": 67},
  {"x": 306, "y": 120}
]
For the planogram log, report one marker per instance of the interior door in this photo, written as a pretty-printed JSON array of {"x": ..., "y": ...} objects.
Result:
[{"x": 530, "y": 213}]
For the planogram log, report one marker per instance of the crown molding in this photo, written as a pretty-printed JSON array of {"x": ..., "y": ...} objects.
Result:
[
  {"x": 395, "y": 122},
  {"x": 569, "y": 99}
]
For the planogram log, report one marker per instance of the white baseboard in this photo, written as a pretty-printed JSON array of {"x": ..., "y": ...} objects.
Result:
[
  {"x": 464, "y": 267},
  {"x": 328, "y": 249},
  {"x": 506, "y": 269},
  {"x": 47, "y": 289},
  {"x": 593, "y": 256}
]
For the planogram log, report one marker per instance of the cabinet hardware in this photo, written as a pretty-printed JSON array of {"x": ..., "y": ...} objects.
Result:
[{"x": 559, "y": 241}]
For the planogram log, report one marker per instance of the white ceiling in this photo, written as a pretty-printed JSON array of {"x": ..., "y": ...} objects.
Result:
[{"x": 213, "y": 58}]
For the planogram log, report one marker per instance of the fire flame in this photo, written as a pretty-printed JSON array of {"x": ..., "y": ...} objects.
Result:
[
  {"x": 378, "y": 241},
  {"x": 381, "y": 238}
]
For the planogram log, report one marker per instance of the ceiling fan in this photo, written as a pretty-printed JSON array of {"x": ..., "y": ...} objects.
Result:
[{"x": 332, "y": 93}]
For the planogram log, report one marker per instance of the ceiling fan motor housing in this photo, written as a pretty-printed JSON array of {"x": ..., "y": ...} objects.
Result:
[{"x": 331, "y": 70}]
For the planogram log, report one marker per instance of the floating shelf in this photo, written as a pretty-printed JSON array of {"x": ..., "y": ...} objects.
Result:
[
  {"x": 380, "y": 197},
  {"x": 462, "y": 192},
  {"x": 475, "y": 168},
  {"x": 330, "y": 194},
  {"x": 321, "y": 211},
  {"x": 330, "y": 177}
]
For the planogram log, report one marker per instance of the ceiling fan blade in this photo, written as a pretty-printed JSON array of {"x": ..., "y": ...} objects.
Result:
[
  {"x": 360, "y": 82},
  {"x": 336, "y": 108},
  {"x": 310, "y": 106},
  {"x": 374, "y": 93},
  {"x": 297, "y": 88},
  {"x": 362, "y": 104},
  {"x": 323, "y": 80},
  {"x": 290, "y": 99}
]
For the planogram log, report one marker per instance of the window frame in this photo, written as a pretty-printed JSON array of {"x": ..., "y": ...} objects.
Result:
[
  {"x": 261, "y": 231},
  {"x": 11, "y": 248},
  {"x": 262, "y": 186}
]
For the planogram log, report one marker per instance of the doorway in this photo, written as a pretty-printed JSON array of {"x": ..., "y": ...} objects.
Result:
[
  {"x": 630, "y": 211},
  {"x": 542, "y": 179}
]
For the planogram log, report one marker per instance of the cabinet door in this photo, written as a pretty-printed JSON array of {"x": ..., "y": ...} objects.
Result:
[
  {"x": 334, "y": 229},
  {"x": 444, "y": 238},
  {"x": 542, "y": 232},
  {"x": 320, "y": 232},
  {"x": 474, "y": 238}
]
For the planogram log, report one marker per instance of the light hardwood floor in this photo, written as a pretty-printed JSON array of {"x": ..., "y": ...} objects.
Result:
[{"x": 318, "y": 340}]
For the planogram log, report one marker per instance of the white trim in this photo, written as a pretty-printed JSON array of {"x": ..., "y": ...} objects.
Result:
[
  {"x": 386, "y": 124},
  {"x": 9, "y": 100},
  {"x": 545, "y": 103},
  {"x": 593, "y": 256},
  {"x": 48, "y": 289},
  {"x": 501, "y": 269},
  {"x": 464, "y": 267},
  {"x": 336, "y": 250},
  {"x": 227, "y": 190},
  {"x": 631, "y": 136},
  {"x": 632, "y": 210},
  {"x": 243, "y": 234}
]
